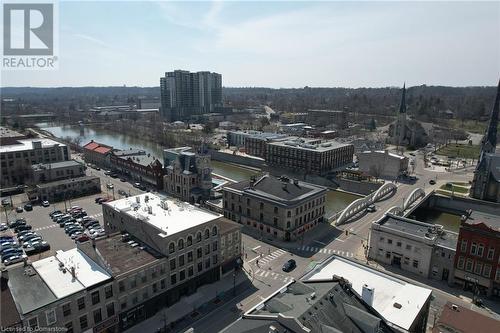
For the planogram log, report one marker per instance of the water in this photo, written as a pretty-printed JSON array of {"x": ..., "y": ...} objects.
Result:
[
  {"x": 335, "y": 200},
  {"x": 448, "y": 221}
]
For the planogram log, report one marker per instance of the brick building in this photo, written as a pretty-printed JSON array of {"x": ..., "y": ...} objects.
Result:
[
  {"x": 97, "y": 153},
  {"x": 477, "y": 257},
  {"x": 140, "y": 166}
]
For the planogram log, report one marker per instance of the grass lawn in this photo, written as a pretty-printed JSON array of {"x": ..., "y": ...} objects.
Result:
[
  {"x": 455, "y": 188},
  {"x": 460, "y": 151},
  {"x": 469, "y": 125}
]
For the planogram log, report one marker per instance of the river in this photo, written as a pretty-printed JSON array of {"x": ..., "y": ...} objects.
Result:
[{"x": 336, "y": 200}]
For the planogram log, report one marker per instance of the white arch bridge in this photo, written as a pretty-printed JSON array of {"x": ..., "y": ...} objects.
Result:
[{"x": 361, "y": 204}]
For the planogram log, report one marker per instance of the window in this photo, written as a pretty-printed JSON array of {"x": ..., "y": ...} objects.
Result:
[
  {"x": 207, "y": 249},
  {"x": 182, "y": 275},
  {"x": 491, "y": 253},
  {"x": 133, "y": 282},
  {"x": 382, "y": 239},
  {"x": 480, "y": 250},
  {"x": 143, "y": 277},
  {"x": 172, "y": 264},
  {"x": 415, "y": 263},
  {"x": 163, "y": 284},
  {"x": 189, "y": 240},
  {"x": 66, "y": 309},
  {"x": 69, "y": 327},
  {"x": 288, "y": 214},
  {"x": 207, "y": 233},
  {"x": 50, "y": 316},
  {"x": 155, "y": 287},
  {"x": 198, "y": 237},
  {"x": 121, "y": 286},
  {"x": 398, "y": 244},
  {"x": 487, "y": 271},
  {"x": 33, "y": 323},
  {"x": 468, "y": 265},
  {"x": 275, "y": 210},
  {"x": 81, "y": 303},
  {"x": 145, "y": 293},
  {"x": 497, "y": 275},
  {"x": 214, "y": 259},
  {"x": 181, "y": 261},
  {"x": 180, "y": 244},
  {"x": 207, "y": 263},
  {"x": 83, "y": 322},
  {"x": 463, "y": 246},
  {"x": 461, "y": 262},
  {"x": 171, "y": 248},
  {"x": 473, "y": 248},
  {"x": 190, "y": 256},
  {"x": 173, "y": 279},
  {"x": 190, "y": 271},
  {"x": 214, "y": 246},
  {"x": 108, "y": 291},
  {"x": 214, "y": 231},
  {"x": 388, "y": 254},
  {"x": 478, "y": 269},
  {"x": 408, "y": 246},
  {"x": 97, "y": 316},
  {"x": 95, "y": 297},
  {"x": 199, "y": 253},
  {"x": 200, "y": 267},
  {"x": 275, "y": 221},
  {"x": 389, "y": 241},
  {"x": 110, "y": 309}
]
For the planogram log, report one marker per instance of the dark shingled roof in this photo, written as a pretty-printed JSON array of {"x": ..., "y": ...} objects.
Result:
[
  {"x": 8, "y": 311},
  {"x": 274, "y": 188}
]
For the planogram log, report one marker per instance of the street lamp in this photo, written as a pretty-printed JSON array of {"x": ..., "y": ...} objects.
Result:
[{"x": 234, "y": 283}]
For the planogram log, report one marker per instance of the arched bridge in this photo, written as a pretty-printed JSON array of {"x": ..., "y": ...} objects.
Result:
[
  {"x": 361, "y": 204},
  {"x": 414, "y": 196}
]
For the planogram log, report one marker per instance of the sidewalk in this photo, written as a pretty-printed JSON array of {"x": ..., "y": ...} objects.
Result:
[{"x": 191, "y": 308}]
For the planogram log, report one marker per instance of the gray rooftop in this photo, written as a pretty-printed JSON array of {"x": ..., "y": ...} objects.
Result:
[
  {"x": 283, "y": 190},
  {"x": 490, "y": 220},
  {"x": 67, "y": 181},
  {"x": 129, "y": 152},
  {"x": 28, "y": 289},
  {"x": 56, "y": 165},
  {"x": 143, "y": 160},
  {"x": 304, "y": 145}
]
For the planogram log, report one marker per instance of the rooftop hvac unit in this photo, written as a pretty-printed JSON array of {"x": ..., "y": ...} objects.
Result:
[
  {"x": 138, "y": 199},
  {"x": 146, "y": 198},
  {"x": 367, "y": 294},
  {"x": 150, "y": 210}
]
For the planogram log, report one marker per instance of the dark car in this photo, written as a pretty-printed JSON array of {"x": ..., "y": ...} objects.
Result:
[
  {"x": 5, "y": 202},
  {"x": 432, "y": 182},
  {"x": 123, "y": 179},
  {"x": 102, "y": 200},
  {"x": 17, "y": 223},
  {"x": 38, "y": 248},
  {"x": 98, "y": 199},
  {"x": 113, "y": 175},
  {"x": 82, "y": 238},
  {"x": 289, "y": 265},
  {"x": 22, "y": 228},
  {"x": 28, "y": 207},
  {"x": 54, "y": 213}
]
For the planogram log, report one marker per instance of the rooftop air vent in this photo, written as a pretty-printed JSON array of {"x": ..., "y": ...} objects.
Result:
[{"x": 397, "y": 305}]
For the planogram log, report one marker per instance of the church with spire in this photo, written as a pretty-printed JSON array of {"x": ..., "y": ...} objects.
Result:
[
  {"x": 406, "y": 132},
  {"x": 486, "y": 182}
]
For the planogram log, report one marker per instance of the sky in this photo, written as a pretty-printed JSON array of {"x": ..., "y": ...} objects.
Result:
[{"x": 278, "y": 44}]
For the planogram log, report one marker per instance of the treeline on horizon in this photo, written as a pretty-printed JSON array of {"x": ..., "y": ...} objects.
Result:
[{"x": 423, "y": 102}]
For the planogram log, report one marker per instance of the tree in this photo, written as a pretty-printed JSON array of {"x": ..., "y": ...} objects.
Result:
[{"x": 372, "y": 125}]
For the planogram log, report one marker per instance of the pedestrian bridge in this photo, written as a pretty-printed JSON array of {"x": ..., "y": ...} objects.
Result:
[{"x": 361, "y": 204}]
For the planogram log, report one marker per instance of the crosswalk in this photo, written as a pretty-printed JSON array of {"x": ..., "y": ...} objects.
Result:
[
  {"x": 325, "y": 251},
  {"x": 47, "y": 227},
  {"x": 270, "y": 257},
  {"x": 261, "y": 273},
  {"x": 96, "y": 215}
]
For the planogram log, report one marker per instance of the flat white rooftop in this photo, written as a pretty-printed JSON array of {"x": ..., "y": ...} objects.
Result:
[
  {"x": 387, "y": 289},
  {"x": 56, "y": 272},
  {"x": 166, "y": 214},
  {"x": 27, "y": 144}
]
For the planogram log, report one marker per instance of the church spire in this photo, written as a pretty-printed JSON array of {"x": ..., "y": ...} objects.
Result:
[
  {"x": 489, "y": 142},
  {"x": 402, "y": 105}
]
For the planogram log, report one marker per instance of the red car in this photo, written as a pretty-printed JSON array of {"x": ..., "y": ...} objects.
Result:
[{"x": 82, "y": 238}]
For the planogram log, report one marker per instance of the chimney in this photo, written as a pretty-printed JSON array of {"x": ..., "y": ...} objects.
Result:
[
  {"x": 73, "y": 272},
  {"x": 367, "y": 294},
  {"x": 454, "y": 307}
]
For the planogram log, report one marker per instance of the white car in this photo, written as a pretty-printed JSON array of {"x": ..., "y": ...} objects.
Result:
[
  {"x": 98, "y": 234},
  {"x": 45, "y": 203},
  {"x": 95, "y": 230},
  {"x": 77, "y": 234},
  {"x": 3, "y": 226}
]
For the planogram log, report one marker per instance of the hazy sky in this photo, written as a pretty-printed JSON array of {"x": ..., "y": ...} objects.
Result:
[{"x": 275, "y": 44}]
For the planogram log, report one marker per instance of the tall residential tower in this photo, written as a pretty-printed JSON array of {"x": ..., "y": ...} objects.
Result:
[{"x": 185, "y": 94}]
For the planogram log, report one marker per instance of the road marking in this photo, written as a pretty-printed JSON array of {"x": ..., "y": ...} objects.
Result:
[
  {"x": 320, "y": 242},
  {"x": 255, "y": 248},
  {"x": 265, "y": 275},
  {"x": 254, "y": 259},
  {"x": 44, "y": 228}
]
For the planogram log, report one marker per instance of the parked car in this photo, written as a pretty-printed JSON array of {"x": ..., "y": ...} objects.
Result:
[
  {"x": 19, "y": 209},
  {"x": 14, "y": 259},
  {"x": 137, "y": 185},
  {"x": 97, "y": 234},
  {"x": 10, "y": 251},
  {"x": 3, "y": 226},
  {"x": 432, "y": 182},
  {"x": 5, "y": 202},
  {"x": 83, "y": 238},
  {"x": 107, "y": 172},
  {"x": 51, "y": 214},
  {"x": 289, "y": 265},
  {"x": 113, "y": 175},
  {"x": 371, "y": 208},
  {"x": 122, "y": 192},
  {"x": 45, "y": 203},
  {"x": 24, "y": 232},
  {"x": 76, "y": 234},
  {"x": 110, "y": 186},
  {"x": 22, "y": 228},
  {"x": 17, "y": 223},
  {"x": 30, "y": 238},
  {"x": 37, "y": 248},
  {"x": 123, "y": 179},
  {"x": 98, "y": 199},
  {"x": 28, "y": 207},
  {"x": 103, "y": 200}
]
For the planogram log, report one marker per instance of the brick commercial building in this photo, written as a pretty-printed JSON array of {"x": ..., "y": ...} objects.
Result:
[
  {"x": 138, "y": 165},
  {"x": 97, "y": 153},
  {"x": 456, "y": 318},
  {"x": 47, "y": 172},
  {"x": 304, "y": 156},
  {"x": 477, "y": 262},
  {"x": 18, "y": 155},
  {"x": 281, "y": 207}
]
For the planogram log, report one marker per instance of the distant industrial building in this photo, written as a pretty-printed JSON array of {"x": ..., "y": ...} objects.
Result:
[
  {"x": 188, "y": 175},
  {"x": 383, "y": 164},
  {"x": 280, "y": 207},
  {"x": 18, "y": 155},
  {"x": 185, "y": 94},
  {"x": 417, "y": 247},
  {"x": 328, "y": 117}
]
